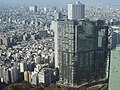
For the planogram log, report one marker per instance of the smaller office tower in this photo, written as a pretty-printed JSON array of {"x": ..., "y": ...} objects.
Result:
[
  {"x": 35, "y": 79},
  {"x": 45, "y": 76},
  {"x": 27, "y": 76},
  {"x": 23, "y": 66},
  {"x": 13, "y": 74},
  {"x": 33, "y": 9},
  {"x": 6, "y": 76},
  {"x": 76, "y": 11},
  {"x": 115, "y": 38}
]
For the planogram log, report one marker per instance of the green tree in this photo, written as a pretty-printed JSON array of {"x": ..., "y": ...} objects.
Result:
[{"x": 11, "y": 87}]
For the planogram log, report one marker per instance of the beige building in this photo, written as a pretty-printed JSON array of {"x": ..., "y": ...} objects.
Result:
[
  {"x": 4, "y": 42},
  {"x": 27, "y": 76}
]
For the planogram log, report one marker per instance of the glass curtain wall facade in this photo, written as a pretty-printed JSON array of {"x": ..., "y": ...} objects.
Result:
[{"x": 82, "y": 51}]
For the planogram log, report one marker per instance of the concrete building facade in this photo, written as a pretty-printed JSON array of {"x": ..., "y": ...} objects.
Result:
[{"x": 114, "y": 77}]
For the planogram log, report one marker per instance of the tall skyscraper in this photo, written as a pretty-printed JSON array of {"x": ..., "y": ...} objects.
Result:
[
  {"x": 81, "y": 49},
  {"x": 33, "y": 9},
  {"x": 114, "y": 77},
  {"x": 76, "y": 11}
]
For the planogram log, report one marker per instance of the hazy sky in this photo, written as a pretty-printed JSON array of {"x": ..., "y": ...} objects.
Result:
[{"x": 55, "y": 2}]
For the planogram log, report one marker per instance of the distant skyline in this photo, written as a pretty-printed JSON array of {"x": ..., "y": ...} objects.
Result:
[{"x": 56, "y": 2}]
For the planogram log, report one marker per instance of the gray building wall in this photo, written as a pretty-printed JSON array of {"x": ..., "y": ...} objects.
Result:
[{"x": 114, "y": 78}]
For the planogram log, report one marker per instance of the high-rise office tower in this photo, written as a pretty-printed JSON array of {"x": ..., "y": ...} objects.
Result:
[
  {"x": 76, "y": 11},
  {"x": 81, "y": 49},
  {"x": 58, "y": 15},
  {"x": 33, "y": 9},
  {"x": 114, "y": 75}
]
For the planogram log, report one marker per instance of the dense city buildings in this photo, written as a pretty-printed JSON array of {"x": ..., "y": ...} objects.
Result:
[
  {"x": 61, "y": 46},
  {"x": 82, "y": 48}
]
